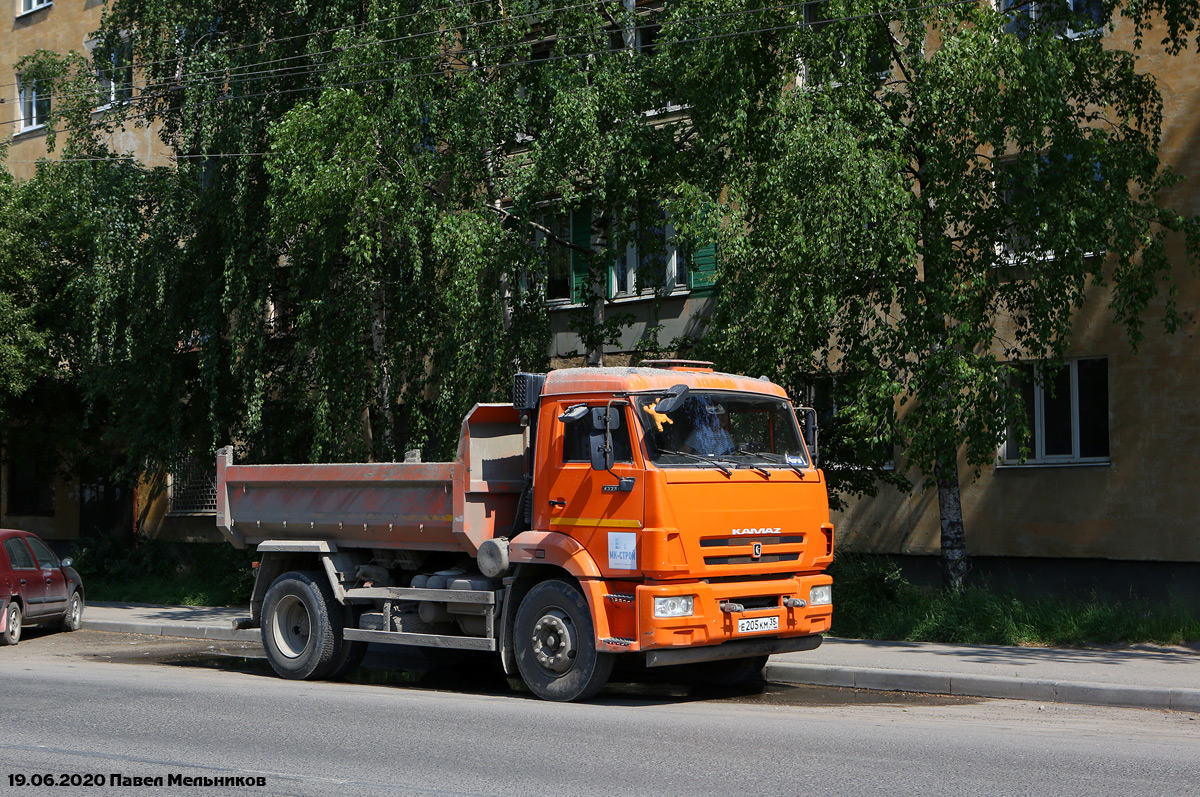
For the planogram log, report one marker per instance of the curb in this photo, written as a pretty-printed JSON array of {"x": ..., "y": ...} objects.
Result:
[
  {"x": 1082, "y": 693},
  {"x": 189, "y": 630}
]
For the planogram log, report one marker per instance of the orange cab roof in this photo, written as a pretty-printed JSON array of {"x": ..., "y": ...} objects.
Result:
[{"x": 633, "y": 380}]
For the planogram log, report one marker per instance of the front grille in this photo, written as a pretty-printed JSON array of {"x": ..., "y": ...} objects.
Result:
[
  {"x": 784, "y": 548},
  {"x": 715, "y": 542},
  {"x": 741, "y": 579},
  {"x": 750, "y": 560}
]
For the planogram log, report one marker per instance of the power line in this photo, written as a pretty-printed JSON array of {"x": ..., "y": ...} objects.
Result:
[
  {"x": 232, "y": 74},
  {"x": 468, "y": 68},
  {"x": 310, "y": 34}
]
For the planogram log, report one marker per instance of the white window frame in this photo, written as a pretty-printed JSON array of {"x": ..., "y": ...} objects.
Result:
[
  {"x": 111, "y": 90},
  {"x": 675, "y": 280},
  {"x": 1037, "y": 457},
  {"x": 1035, "y": 11},
  {"x": 28, "y": 100},
  {"x": 29, "y": 6}
]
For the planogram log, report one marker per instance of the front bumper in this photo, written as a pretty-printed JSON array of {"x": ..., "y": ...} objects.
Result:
[
  {"x": 710, "y": 625},
  {"x": 625, "y": 620},
  {"x": 737, "y": 649}
]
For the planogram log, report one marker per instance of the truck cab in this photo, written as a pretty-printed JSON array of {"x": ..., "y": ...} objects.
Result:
[{"x": 706, "y": 529}]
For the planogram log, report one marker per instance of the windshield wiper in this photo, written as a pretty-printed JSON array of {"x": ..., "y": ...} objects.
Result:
[
  {"x": 758, "y": 468},
  {"x": 783, "y": 459},
  {"x": 698, "y": 458}
]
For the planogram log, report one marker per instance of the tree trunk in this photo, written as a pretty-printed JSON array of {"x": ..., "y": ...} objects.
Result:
[
  {"x": 383, "y": 387},
  {"x": 954, "y": 546}
]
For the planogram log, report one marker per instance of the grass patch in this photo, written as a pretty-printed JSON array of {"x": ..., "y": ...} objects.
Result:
[
  {"x": 180, "y": 574},
  {"x": 873, "y": 600}
]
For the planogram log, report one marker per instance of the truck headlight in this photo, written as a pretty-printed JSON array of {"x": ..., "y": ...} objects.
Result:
[
  {"x": 820, "y": 596},
  {"x": 674, "y": 606}
]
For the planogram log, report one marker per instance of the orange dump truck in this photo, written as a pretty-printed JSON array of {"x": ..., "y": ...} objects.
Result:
[{"x": 666, "y": 512}]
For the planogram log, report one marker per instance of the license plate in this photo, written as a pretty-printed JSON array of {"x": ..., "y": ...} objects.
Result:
[{"x": 748, "y": 625}]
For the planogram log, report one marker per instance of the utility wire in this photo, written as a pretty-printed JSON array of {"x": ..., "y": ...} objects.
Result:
[
  {"x": 233, "y": 73},
  {"x": 310, "y": 34},
  {"x": 462, "y": 69}
]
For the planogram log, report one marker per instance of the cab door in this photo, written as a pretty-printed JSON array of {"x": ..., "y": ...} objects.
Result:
[{"x": 592, "y": 506}]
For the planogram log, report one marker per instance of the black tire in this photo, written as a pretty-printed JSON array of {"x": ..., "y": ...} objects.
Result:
[
  {"x": 73, "y": 617},
  {"x": 351, "y": 654},
  {"x": 555, "y": 644},
  {"x": 301, "y": 626},
  {"x": 728, "y": 672},
  {"x": 12, "y": 629}
]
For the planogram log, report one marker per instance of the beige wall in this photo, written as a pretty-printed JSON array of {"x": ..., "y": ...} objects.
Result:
[
  {"x": 61, "y": 27},
  {"x": 1143, "y": 504}
]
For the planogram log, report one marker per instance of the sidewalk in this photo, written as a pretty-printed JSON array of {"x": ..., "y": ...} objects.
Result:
[{"x": 1140, "y": 677}]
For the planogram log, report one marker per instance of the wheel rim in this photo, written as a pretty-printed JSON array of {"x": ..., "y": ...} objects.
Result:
[
  {"x": 553, "y": 639},
  {"x": 76, "y": 609},
  {"x": 292, "y": 626},
  {"x": 14, "y": 623}
]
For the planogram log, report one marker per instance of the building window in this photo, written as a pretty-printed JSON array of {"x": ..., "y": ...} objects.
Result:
[
  {"x": 1073, "y": 18},
  {"x": 556, "y": 258},
  {"x": 115, "y": 70},
  {"x": 30, "y": 489},
  {"x": 651, "y": 261},
  {"x": 34, "y": 104},
  {"x": 1067, "y": 412},
  {"x": 34, "y": 5}
]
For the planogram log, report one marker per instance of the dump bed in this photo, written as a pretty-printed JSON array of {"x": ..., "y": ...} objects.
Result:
[{"x": 435, "y": 506}]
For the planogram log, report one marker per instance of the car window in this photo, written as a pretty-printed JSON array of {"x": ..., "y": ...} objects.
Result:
[
  {"x": 19, "y": 555},
  {"x": 45, "y": 556}
]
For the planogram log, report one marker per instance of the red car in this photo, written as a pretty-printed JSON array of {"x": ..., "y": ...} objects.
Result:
[{"x": 35, "y": 587}]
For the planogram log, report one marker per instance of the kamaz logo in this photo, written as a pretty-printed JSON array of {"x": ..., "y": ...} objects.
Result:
[{"x": 758, "y": 531}]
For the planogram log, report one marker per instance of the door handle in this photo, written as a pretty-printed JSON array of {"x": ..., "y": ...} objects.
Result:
[
  {"x": 22, "y": 581},
  {"x": 556, "y": 502}
]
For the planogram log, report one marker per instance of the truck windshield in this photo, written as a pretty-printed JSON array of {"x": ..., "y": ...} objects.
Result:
[{"x": 724, "y": 429}]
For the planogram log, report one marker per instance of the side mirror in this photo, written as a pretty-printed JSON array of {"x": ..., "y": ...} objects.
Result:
[
  {"x": 68, "y": 562},
  {"x": 572, "y": 414},
  {"x": 810, "y": 433},
  {"x": 673, "y": 400},
  {"x": 605, "y": 418},
  {"x": 603, "y": 457}
]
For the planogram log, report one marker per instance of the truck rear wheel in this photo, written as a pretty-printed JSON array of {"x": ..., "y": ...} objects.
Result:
[
  {"x": 301, "y": 626},
  {"x": 555, "y": 644}
]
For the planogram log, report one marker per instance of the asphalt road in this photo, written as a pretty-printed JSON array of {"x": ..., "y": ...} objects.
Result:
[{"x": 102, "y": 704}]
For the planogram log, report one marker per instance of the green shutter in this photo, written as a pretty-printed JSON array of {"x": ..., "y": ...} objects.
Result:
[
  {"x": 581, "y": 235},
  {"x": 702, "y": 270}
]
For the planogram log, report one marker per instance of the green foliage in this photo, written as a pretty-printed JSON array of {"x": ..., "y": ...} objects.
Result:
[
  {"x": 343, "y": 255},
  {"x": 186, "y": 574},
  {"x": 873, "y": 600}
]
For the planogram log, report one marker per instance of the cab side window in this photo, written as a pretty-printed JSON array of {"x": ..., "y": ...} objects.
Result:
[
  {"x": 19, "y": 555},
  {"x": 576, "y": 437}
]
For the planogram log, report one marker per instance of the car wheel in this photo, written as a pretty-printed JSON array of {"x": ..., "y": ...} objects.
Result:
[
  {"x": 555, "y": 644},
  {"x": 73, "y": 619},
  {"x": 12, "y": 629},
  {"x": 301, "y": 626}
]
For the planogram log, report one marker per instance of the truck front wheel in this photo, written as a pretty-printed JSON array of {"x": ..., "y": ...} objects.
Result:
[
  {"x": 301, "y": 626},
  {"x": 555, "y": 644}
]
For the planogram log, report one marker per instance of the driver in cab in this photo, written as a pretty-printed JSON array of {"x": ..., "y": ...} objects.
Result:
[{"x": 710, "y": 435}]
